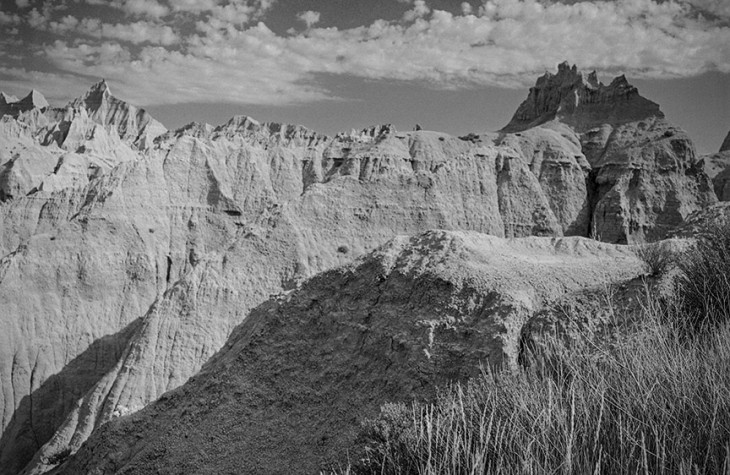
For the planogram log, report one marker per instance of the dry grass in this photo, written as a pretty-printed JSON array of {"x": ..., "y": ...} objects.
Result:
[{"x": 659, "y": 403}]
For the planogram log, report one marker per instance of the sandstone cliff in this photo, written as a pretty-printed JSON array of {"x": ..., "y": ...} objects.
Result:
[
  {"x": 643, "y": 177},
  {"x": 128, "y": 253},
  {"x": 157, "y": 249},
  {"x": 287, "y": 390},
  {"x": 717, "y": 167}
]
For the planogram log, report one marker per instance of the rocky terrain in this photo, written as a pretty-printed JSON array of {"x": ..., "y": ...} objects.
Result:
[
  {"x": 129, "y": 253},
  {"x": 288, "y": 389},
  {"x": 717, "y": 166}
]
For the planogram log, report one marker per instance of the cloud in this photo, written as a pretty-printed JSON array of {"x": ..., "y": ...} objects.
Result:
[
  {"x": 716, "y": 7},
  {"x": 145, "y": 8},
  {"x": 137, "y": 32},
  {"x": 505, "y": 43},
  {"x": 22, "y": 3},
  {"x": 309, "y": 17},
  {"x": 466, "y": 8},
  {"x": 9, "y": 18},
  {"x": 420, "y": 9}
]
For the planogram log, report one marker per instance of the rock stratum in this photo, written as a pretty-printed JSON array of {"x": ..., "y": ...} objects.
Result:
[
  {"x": 129, "y": 253},
  {"x": 287, "y": 391}
]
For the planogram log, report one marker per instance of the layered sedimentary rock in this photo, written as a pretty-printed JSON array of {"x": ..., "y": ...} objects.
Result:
[
  {"x": 158, "y": 249},
  {"x": 128, "y": 253},
  {"x": 644, "y": 176},
  {"x": 287, "y": 391},
  {"x": 717, "y": 167}
]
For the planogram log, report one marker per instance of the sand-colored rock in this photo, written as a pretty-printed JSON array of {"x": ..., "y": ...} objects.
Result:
[
  {"x": 101, "y": 235},
  {"x": 150, "y": 246},
  {"x": 717, "y": 167},
  {"x": 644, "y": 178},
  {"x": 288, "y": 389}
]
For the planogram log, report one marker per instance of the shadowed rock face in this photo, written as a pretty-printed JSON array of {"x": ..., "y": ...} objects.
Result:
[
  {"x": 287, "y": 391},
  {"x": 581, "y": 101},
  {"x": 717, "y": 167},
  {"x": 643, "y": 175},
  {"x": 725, "y": 147}
]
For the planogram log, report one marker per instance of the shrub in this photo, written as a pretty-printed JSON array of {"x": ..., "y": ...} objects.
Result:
[
  {"x": 703, "y": 287},
  {"x": 657, "y": 257},
  {"x": 59, "y": 457}
]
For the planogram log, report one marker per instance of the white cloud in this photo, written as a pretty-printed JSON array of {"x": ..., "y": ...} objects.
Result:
[
  {"x": 420, "y": 9},
  {"x": 507, "y": 43},
  {"x": 466, "y": 8},
  {"x": 37, "y": 19},
  {"x": 309, "y": 18},
  {"x": 137, "y": 32},
  {"x": 716, "y": 7},
  {"x": 9, "y": 18},
  {"x": 146, "y": 8},
  {"x": 22, "y": 3}
]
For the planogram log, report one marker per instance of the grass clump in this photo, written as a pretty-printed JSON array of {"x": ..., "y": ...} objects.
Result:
[
  {"x": 655, "y": 403},
  {"x": 657, "y": 257},
  {"x": 703, "y": 286}
]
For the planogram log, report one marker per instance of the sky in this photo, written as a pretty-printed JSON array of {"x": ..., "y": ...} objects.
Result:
[{"x": 334, "y": 65}]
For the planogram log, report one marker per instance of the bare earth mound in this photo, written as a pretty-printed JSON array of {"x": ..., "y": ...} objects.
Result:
[{"x": 286, "y": 392}]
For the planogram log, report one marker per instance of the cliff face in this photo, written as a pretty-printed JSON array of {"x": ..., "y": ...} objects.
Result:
[
  {"x": 717, "y": 167},
  {"x": 287, "y": 391},
  {"x": 159, "y": 248},
  {"x": 129, "y": 253},
  {"x": 643, "y": 174}
]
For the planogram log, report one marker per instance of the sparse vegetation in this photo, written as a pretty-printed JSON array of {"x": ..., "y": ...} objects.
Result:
[
  {"x": 657, "y": 257},
  {"x": 703, "y": 287},
  {"x": 59, "y": 457},
  {"x": 657, "y": 403}
]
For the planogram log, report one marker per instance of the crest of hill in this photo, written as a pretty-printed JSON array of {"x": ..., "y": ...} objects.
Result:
[
  {"x": 133, "y": 124},
  {"x": 582, "y": 101},
  {"x": 11, "y": 105}
]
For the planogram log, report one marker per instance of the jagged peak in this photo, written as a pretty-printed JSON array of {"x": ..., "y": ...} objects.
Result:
[
  {"x": 368, "y": 134},
  {"x": 34, "y": 100},
  {"x": 94, "y": 97},
  {"x": 100, "y": 86},
  {"x": 239, "y": 121},
  {"x": 266, "y": 132},
  {"x": 581, "y": 100},
  {"x": 725, "y": 143},
  {"x": 7, "y": 99}
]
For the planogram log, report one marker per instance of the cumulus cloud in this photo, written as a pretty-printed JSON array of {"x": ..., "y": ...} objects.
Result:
[
  {"x": 309, "y": 18},
  {"x": 9, "y": 18},
  {"x": 145, "y": 8},
  {"x": 419, "y": 10},
  {"x": 22, "y": 3},
  {"x": 503, "y": 43},
  {"x": 716, "y": 7},
  {"x": 466, "y": 8}
]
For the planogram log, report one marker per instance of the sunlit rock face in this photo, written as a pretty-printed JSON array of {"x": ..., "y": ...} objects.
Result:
[
  {"x": 643, "y": 175},
  {"x": 288, "y": 390},
  {"x": 128, "y": 253}
]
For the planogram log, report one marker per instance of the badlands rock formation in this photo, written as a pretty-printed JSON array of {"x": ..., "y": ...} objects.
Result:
[
  {"x": 717, "y": 167},
  {"x": 287, "y": 391},
  {"x": 129, "y": 253},
  {"x": 642, "y": 174}
]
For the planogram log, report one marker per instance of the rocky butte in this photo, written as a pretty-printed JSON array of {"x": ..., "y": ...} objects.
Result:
[{"x": 295, "y": 276}]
